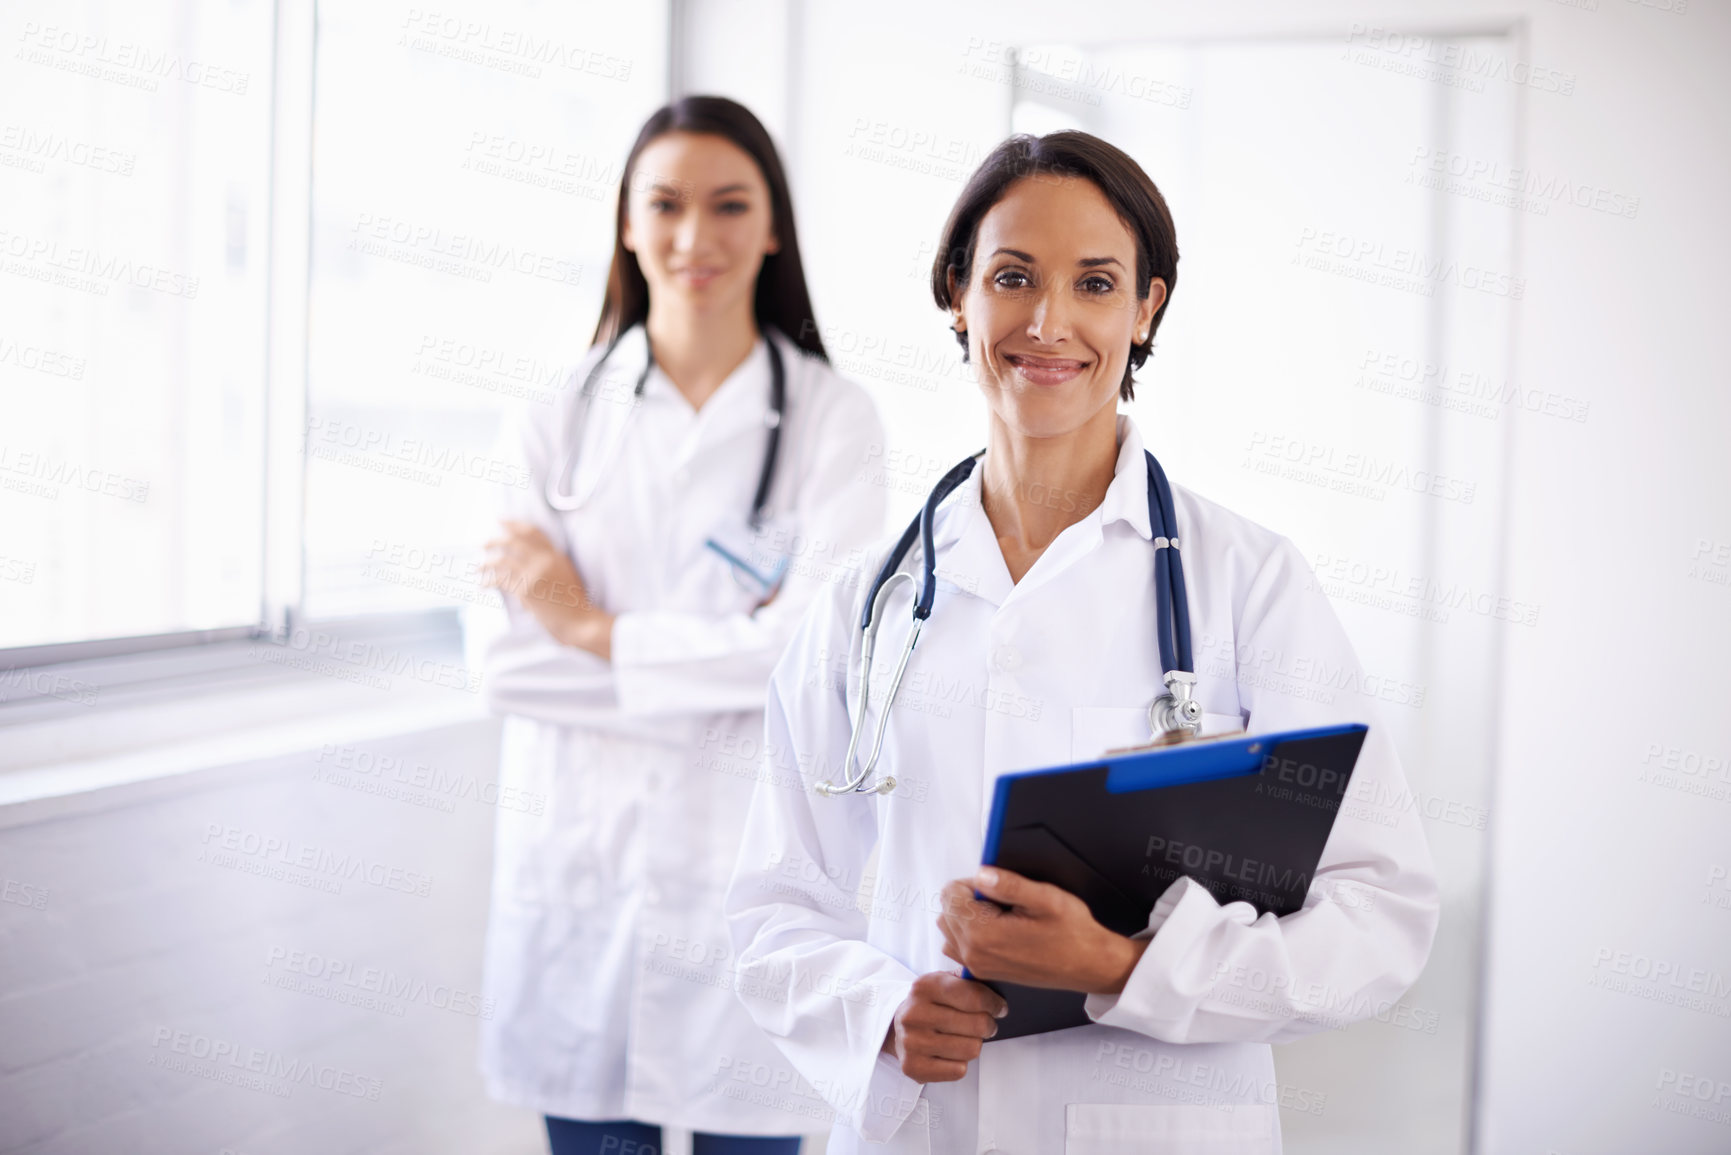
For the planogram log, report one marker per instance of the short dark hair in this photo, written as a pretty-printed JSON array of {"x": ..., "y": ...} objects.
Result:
[
  {"x": 1065, "y": 154},
  {"x": 781, "y": 298}
]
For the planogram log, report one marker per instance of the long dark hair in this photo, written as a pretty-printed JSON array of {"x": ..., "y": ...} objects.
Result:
[
  {"x": 1065, "y": 154},
  {"x": 781, "y": 299}
]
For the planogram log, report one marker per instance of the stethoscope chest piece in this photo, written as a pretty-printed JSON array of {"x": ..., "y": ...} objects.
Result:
[{"x": 1176, "y": 714}]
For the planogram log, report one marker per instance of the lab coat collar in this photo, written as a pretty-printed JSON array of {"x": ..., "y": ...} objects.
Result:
[
  {"x": 739, "y": 404},
  {"x": 970, "y": 558},
  {"x": 1126, "y": 497}
]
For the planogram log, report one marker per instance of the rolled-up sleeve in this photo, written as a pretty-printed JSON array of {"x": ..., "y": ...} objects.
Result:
[{"x": 1216, "y": 973}]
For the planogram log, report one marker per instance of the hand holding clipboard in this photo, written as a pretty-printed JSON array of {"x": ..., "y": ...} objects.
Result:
[{"x": 1246, "y": 817}]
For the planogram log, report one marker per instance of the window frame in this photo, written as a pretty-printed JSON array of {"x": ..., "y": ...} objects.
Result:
[
  {"x": 202, "y": 657},
  {"x": 111, "y": 662}
]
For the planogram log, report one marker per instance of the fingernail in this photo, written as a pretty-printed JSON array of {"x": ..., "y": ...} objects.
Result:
[
  {"x": 1002, "y": 1011},
  {"x": 988, "y": 876}
]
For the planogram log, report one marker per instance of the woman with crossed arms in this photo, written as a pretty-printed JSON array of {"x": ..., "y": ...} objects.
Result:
[{"x": 649, "y": 591}]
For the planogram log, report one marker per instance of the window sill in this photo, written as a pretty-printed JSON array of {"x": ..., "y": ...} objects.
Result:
[
  {"x": 255, "y": 726},
  {"x": 164, "y": 728}
]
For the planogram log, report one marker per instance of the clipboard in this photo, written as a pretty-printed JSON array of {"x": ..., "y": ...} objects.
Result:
[{"x": 1246, "y": 816}]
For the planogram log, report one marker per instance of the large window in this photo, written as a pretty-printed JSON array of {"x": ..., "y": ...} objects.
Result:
[
  {"x": 463, "y": 164},
  {"x": 134, "y": 180}
]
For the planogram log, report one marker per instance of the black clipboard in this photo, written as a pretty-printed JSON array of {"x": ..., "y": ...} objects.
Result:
[{"x": 1246, "y": 816}]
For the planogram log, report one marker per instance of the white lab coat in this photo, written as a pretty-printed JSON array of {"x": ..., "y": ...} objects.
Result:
[
  {"x": 607, "y": 957},
  {"x": 834, "y": 901}
]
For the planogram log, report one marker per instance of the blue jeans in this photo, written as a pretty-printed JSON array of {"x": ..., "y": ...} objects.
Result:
[{"x": 574, "y": 1137}]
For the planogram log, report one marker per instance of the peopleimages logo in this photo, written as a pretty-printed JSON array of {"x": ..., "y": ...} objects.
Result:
[
  {"x": 465, "y": 254},
  {"x": 34, "y": 149},
  {"x": 1460, "y": 388},
  {"x": 123, "y": 62},
  {"x": 221, "y": 1060},
  {"x": 1249, "y": 879},
  {"x": 342, "y": 980},
  {"x": 88, "y": 269},
  {"x": 363, "y": 662},
  {"x": 227, "y": 843},
  {"x": 1527, "y": 188},
  {"x": 413, "y": 458},
  {"x": 517, "y": 50},
  {"x": 1397, "y": 266},
  {"x": 1460, "y": 64},
  {"x": 357, "y": 768},
  {"x": 1350, "y": 472},
  {"x": 1386, "y": 586},
  {"x": 44, "y": 474}
]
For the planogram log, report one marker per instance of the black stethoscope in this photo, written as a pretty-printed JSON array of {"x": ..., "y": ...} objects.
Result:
[
  {"x": 566, "y": 502},
  {"x": 1171, "y": 715}
]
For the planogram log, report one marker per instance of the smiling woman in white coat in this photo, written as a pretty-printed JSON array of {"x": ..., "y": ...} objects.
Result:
[
  {"x": 699, "y": 482},
  {"x": 854, "y": 913}
]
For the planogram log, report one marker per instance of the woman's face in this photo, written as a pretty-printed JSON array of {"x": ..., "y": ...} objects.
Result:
[
  {"x": 1050, "y": 306},
  {"x": 698, "y": 217}
]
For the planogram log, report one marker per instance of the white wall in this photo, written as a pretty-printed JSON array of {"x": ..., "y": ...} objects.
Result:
[
  {"x": 133, "y": 946},
  {"x": 1606, "y": 522}
]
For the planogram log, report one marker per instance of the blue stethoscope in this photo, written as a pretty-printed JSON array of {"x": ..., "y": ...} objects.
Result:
[
  {"x": 761, "y": 580},
  {"x": 1173, "y": 715}
]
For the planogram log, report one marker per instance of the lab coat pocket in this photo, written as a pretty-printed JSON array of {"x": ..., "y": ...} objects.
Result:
[
  {"x": 1213, "y": 724},
  {"x": 1097, "y": 729},
  {"x": 755, "y": 561},
  {"x": 1137, "y": 1129}
]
